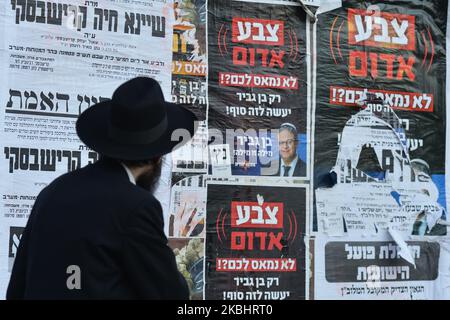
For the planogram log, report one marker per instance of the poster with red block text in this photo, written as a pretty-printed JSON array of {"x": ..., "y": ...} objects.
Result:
[
  {"x": 380, "y": 119},
  {"x": 258, "y": 85},
  {"x": 255, "y": 246}
]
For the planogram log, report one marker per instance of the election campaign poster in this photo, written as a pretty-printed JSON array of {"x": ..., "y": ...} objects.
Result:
[
  {"x": 255, "y": 248},
  {"x": 380, "y": 118},
  {"x": 257, "y": 86}
]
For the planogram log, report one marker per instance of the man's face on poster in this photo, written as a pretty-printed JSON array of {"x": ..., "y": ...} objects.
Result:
[{"x": 288, "y": 145}]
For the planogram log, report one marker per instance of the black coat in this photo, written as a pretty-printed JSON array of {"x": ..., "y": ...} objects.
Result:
[
  {"x": 96, "y": 219},
  {"x": 299, "y": 170}
]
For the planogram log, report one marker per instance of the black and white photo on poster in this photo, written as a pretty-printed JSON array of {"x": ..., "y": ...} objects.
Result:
[{"x": 193, "y": 156}]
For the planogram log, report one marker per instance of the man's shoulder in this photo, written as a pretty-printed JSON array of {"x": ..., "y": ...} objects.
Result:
[
  {"x": 300, "y": 168},
  {"x": 58, "y": 182},
  {"x": 147, "y": 198},
  {"x": 94, "y": 181},
  {"x": 147, "y": 211},
  {"x": 148, "y": 201},
  {"x": 94, "y": 174}
]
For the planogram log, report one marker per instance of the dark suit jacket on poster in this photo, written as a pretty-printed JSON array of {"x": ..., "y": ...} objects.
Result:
[
  {"x": 299, "y": 170},
  {"x": 96, "y": 219}
]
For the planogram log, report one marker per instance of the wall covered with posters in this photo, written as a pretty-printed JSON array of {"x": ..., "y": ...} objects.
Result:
[{"x": 318, "y": 170}]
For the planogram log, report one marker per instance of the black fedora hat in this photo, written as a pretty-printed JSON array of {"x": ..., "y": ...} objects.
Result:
[{"x": 136, "y": 124}]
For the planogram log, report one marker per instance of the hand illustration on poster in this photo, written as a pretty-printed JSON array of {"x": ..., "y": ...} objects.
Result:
[{"x": 187, "y": 205}]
